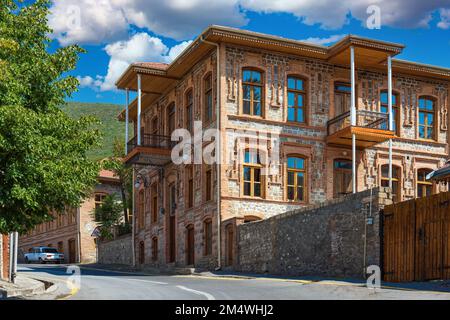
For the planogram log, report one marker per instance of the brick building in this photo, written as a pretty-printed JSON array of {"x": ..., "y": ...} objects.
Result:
[
  {"x": 305, "y": 103},
  {"x": 4, "y": 257},
  {"x": 71, "y": 232}
]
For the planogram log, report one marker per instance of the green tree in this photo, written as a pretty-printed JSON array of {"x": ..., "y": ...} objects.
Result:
[
  {"x": 115, "y": 164},
  {"x": 43, "y": 163},
  {"x": 108, "y": 215}
]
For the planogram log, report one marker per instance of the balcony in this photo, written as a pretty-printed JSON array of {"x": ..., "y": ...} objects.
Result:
[
  {"x": 371, "y": 128},
  {"x": 154, "y": 150}
]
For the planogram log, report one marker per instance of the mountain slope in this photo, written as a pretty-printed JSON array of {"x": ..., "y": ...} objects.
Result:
[{"x": 110, "y": 127}]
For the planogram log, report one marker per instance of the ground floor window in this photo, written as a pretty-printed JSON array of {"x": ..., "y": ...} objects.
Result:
[
  {"x": 207, "y": 229},
  {"x": 395, "y": 180},
  {"x": 342, "y": 177},
  {"x": 424, "y": 187},
  {"x": 154, "y": 248}
]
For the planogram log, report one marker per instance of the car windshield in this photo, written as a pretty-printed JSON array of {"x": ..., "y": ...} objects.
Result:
[{"x": 49, "y": 250}]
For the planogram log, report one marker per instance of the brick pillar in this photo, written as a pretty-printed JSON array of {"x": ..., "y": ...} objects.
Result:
[{"x": 4, "y": 257}]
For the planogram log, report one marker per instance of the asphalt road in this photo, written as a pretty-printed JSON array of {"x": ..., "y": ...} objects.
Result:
[{"x": 105, "y": 285}]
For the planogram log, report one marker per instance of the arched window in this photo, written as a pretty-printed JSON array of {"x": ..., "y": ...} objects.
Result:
[
  {"x": 424, "y": 187},
  {"x": 171, "y": 118},
  {"x": 252, "y": 88},
  {"x": 141, "y": 252},
  {"x": 342, "y": 182},
  {"x": 207, "y": 233},
  {"x": 296, "y": 100},
  {"x": 296, "y": 179},
  {"x": 208, "y": 98},
  {"x": 395, "y": 180},
  {"x": 154, "y": 248},
  {"x": 141, "y": 208},
  {"x": 252, "y": 177},
  {"x": 384, "y": 107},
  {"x": 426, "y": 118},
  {"x": 189, "y": 110}
]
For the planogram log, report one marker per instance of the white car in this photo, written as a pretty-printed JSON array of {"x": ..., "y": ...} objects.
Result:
[{"x": 43, "y": 255}]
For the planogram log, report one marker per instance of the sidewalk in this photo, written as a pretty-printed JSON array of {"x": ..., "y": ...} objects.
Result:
[{"x": 24, "y": 286}]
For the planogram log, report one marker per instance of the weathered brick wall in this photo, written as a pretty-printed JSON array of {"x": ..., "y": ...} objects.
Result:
[
  {"x": 118, "y": 251},
  {"x": 4, "y": 257},
  {"x": 325, "y": 240}
]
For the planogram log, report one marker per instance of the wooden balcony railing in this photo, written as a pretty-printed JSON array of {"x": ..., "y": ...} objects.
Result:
[
  {"x": 364, "y": 119},
  {"x": 152, "y": 141}
]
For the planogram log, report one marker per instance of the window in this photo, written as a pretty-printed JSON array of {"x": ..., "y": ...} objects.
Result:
[
  {"x": 208, "y": 98},
  {"x": 189, "y": 111},
  {"x": 190, "y": 186},
  {"x": 426, "y": 118},
  {"x": 384, "y": 107},
  {"x": 172, "y": 199},
  {"x": 424, "y": 187},
  {"x": 141, "y": 252},
  {"x": 252, "y": 88},
  {"x": 98, "y": 199},
  {"x": 208, "y": 184},
  {"x": 154, "y": 193},
  {"x": 252, "y": 174},
  {"x": 154, "y": 248},
  {"x": 395, "y": 180},
  {"x": 296, "y": 173},
  {"x": 207, "y": 229},
  {"x": 342, "y": 182},
  {"x": 171, "y": 118},
  {"x": 141, "y": 208},
  {"x": 342, "y": 97},
  {"x": 296, "y": 100}
]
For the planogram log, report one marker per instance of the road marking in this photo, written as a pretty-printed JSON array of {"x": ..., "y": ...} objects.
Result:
[
  {"x": 149, "y": 281},
  {"x": 207, "y": 295}
]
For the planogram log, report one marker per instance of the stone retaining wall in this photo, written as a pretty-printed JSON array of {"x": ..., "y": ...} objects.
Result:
[
  {"x": 118, "y": 251},
  {"x": 324, "y": 240}
]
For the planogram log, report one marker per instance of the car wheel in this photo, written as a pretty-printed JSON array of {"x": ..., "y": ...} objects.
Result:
[
  {"x": 27, "y": 261},
  {"x": 41, "y": 261}
]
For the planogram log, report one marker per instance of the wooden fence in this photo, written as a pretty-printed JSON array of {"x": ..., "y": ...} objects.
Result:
[{"x": 416, "y": 239}]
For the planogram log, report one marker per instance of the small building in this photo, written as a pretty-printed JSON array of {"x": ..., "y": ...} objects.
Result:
[{"x": 72, "y": 232}]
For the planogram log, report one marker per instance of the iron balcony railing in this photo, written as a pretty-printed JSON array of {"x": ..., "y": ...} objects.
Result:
[
  {"x": 364, "y": 118},
  {"x": 151, "y": 141}
]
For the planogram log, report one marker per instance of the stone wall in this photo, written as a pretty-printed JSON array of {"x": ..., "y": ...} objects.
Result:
[
  {"x": 118, "y": 251},
  {"x": 324, "y": 240}
]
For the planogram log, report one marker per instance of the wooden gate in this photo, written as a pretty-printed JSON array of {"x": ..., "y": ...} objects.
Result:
[{"x": 416, "y": 239}]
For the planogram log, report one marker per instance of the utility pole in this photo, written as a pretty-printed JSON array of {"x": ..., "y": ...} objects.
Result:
[{"x": 13, "y": 250}]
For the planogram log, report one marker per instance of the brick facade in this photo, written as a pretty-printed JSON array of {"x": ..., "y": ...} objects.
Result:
[
  {"x": 4, "y": 257},
  {"x": 71, "y": 232},
  {"x": 306, "y": 140}
]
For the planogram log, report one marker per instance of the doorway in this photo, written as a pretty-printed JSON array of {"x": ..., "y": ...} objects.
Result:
[
  {"x": 72, "y": 251},
  {"x": 190, "y": 245}
]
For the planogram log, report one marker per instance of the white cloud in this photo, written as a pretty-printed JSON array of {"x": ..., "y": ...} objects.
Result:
[
  {"x": 141, "y": 47},
  {"x": 445, "y": 19},
  {"x": 324, "y": 41}
]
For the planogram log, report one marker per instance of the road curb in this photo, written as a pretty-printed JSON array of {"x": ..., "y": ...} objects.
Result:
[{"x": 37, "y": 288}]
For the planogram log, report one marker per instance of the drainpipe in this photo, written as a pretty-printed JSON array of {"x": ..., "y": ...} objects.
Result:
[
  {"x": 218, "y": 151},
  {"x": 390, "y": 119},
  {"x": 353, "y": 116}
]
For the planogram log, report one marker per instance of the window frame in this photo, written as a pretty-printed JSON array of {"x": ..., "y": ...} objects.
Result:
[
  {"x": 295, "y": 186},
  {"x": 190, "y": 195},
  {"x": 427, "y": 113},
  {"x": 253, "y": 167},
  {"x": 189, "y": 109},
  {"x": 207, "y": 237},
  {"x": 171, "y": 111},
  {"x": 297, "y": 92},
  {"x": 252, "y": 85},
  {"x": 395, "y": 108},
  {"x": 336, "y": 195},
  {"x": 154, "y": 202},
  {"x": 423, "y": 184},
  {"x": 349, "y": 93},
  {"x": 208, "y": 114},
  {"x": 154, "y": 248},
  {"x": 208, "y": 183},
  {"x": 395, "y": 179},
  {"x": 141, "y": 209}
]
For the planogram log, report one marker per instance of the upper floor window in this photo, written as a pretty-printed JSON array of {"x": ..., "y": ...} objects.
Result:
[
  {"x": 189, "y": 111},
  {"x": 296, "y": 179},
  {"x": 252, "y": 88},
  {"x": 208, "y": 98},
  {"x": 189, "y": 186},
  {"x": 296, "y": 100},
  {"x": 424, "y": 187},
  {"x": 342, "y": 177},
  {"x": 426, "y": 118},
  {"x": 395, "y": 180},
  {"x": 252, "y": 174},
  {"x": 342, "y": 97},
  {"x": 172, "y": 199},
  {"x": 208, "y": 184},
  {"x": 98, "y": 199},
  {"x": 171, "y": 118},
  {"x": 384, "y": 107},
  {"x": 154, "y": 193}
]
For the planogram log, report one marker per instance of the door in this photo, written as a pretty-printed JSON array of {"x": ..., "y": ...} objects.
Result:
[
  {"x": 190, "y": 242},
  {"x": 72, "y": 251},
  {"x": 229, "y": 245}
]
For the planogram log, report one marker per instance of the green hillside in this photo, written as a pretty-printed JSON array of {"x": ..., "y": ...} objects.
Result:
[{"x": 110, "y": 127}]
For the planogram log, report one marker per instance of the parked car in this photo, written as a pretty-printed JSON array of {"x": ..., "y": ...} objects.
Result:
[{"x": 44, "y": 255}]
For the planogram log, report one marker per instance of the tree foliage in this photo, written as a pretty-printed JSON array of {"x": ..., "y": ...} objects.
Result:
[
  {"x": 108, "y": 215},
  {"x": 43, "y": 163}
]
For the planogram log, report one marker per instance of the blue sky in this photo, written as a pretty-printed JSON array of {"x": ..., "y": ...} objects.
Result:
[{"x": 116, "y": 32}]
